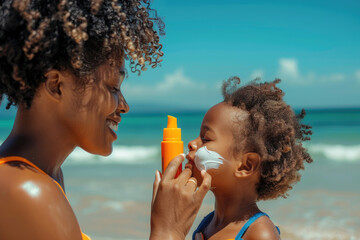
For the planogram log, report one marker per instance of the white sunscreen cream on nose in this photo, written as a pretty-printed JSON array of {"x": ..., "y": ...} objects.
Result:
[{"x": 206, "y": 159}]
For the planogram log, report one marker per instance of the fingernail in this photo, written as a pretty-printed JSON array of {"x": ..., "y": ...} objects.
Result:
[
  {"x": 157, "y": 174},
  {"x": 203, "y": 172},
  {"x": 182, "y": 154}
]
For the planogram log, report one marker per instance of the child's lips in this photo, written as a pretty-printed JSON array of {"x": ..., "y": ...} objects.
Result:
[{"x": 189, "y": 164}]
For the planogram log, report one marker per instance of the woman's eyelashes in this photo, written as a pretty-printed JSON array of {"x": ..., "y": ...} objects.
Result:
[{"x": 115, "y": 90}]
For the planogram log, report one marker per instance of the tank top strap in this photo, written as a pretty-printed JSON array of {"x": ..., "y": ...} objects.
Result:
[
  {"x": 248, "y": 223},
  {"x": 20, "y": 159}
]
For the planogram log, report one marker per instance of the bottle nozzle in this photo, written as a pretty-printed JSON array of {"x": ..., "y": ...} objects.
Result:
[
  {"x": 172, "y": 132},
  {"x": 172, "y": 122}
]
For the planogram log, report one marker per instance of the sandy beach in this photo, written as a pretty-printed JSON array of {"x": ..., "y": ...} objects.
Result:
[{"x": 116, "y": 208}]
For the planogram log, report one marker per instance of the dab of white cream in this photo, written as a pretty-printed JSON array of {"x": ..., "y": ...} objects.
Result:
[{"x": 206, "y": 159}]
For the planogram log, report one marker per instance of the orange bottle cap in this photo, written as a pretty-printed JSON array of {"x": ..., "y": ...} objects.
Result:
[{"x": 172, "y": 132}]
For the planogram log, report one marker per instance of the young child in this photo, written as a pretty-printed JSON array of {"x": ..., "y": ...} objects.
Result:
[{"x": 251, "y": 145}]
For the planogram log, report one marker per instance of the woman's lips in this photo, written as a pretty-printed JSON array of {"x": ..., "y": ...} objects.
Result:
[
  {"x": 113, "y": 127},
  {"x": 112, "y": 124}
]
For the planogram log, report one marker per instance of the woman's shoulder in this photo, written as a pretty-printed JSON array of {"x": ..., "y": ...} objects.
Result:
[
  {"x": 21, "y": 180},
  {"x": 33, "y": 201},
  {"x": 262, "y": 229}
]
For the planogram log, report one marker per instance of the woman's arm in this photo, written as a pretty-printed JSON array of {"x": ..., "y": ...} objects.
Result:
[{"x": 175, "y": 203}]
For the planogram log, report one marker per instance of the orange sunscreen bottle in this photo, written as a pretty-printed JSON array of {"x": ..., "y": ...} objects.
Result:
[{"x": 171, "y": 146}]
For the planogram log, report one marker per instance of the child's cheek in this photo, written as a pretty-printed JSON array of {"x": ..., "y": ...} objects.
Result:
[{"x": 206, "y": 159}]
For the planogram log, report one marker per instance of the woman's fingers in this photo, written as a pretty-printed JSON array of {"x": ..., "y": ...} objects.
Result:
[
  {"x": 204, "y": 187},
  {"x": 185, "y": 175},
  {"x": 173, "y": 166},
  {"x": 155, "y": 186},
  {"x": 191, "y": 184},
  {"x": 176, "y": 201}
]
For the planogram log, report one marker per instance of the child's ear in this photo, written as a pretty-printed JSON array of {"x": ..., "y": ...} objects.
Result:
[
  {"x": 248, "y": 165},
  {"x": 53, "y": 84}
]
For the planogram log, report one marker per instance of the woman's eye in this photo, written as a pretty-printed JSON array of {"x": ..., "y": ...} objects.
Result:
[{"x": 115, "y": 90}]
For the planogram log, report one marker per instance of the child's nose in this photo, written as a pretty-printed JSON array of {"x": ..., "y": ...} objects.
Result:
[{"x": 192, "y": 146}]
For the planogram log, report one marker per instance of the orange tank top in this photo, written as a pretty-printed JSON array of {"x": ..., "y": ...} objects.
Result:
[{"x": 23, "y": 160}]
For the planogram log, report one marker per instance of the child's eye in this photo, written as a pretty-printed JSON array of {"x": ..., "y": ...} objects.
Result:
[{"x": 204, "y": 140}]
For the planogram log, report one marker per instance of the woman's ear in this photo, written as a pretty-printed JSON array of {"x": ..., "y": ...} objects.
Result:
[
  {"x": 53, "y": 84},
  {"x": 248, "y": 165}
]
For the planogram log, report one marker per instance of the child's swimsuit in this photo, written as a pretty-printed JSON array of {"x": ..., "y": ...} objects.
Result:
[
  {"x": 23, "y": 160},
  {"x": 197, "y": 235}
]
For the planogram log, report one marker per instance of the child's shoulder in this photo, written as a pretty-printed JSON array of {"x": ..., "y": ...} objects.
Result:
[{"x": 262, "y": 229}]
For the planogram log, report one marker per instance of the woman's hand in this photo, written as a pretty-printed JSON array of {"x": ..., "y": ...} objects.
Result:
[{"x": 176, "y": 201}]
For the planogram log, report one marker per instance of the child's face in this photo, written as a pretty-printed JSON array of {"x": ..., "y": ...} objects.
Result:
[{"x": 216, "y": 134}]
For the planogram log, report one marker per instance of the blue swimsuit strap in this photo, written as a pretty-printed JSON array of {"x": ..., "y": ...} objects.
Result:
[
  {"x": 249, "y": 222},
  {"x": 203, "y": 224},
  {"x": 210, "y": 216}
]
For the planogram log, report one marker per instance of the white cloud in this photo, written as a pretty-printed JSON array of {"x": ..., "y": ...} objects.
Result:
[
  {"x": 172, "y": 81},
  {"x": 259, "y": 73},
  {"x": 288, "y": 67},
  {"x": 357, "y": 75},
  {"x": 176, "y": 88},
  {"x": 289, "y": 73},
  {"x": 336, "y": 77}
]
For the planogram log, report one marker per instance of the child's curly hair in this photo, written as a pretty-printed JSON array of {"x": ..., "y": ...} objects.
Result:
[
  {"x": 39, "y": 35},
  {"x": 273, "y": 131}
]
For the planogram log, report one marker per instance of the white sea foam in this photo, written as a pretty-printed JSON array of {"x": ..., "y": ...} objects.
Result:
[
  {"x": 317, "y": 232},
  {"x": 334, "y": 152},
  {"x": 120, "y": 154}
]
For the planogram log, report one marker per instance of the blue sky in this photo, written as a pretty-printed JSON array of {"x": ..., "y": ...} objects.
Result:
[{"x": 313, "y": 46}]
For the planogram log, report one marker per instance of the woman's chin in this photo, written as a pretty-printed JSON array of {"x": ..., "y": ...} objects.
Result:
[{"x": 104, "y": 151}]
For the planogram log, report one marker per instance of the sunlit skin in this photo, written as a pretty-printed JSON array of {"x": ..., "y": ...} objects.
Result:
[
  {"x": 234, "y": 182},
  {"x": 61, "y": 117}
]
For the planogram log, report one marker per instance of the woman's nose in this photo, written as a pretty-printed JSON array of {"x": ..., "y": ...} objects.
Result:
[{"x": 122, "y": 107}]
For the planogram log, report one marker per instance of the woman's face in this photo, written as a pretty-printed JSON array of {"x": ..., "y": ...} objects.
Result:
[
  {"x": 93, "y": 114},
  {"x": 216, "y": 134}
]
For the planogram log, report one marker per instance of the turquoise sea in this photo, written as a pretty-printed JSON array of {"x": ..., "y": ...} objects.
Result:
[{"x": 111, "y": 195}]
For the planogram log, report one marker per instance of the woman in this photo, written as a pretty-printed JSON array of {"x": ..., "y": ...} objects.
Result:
[{"x": 62, "y": 65}]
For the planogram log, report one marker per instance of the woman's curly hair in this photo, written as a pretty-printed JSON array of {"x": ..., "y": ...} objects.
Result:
[
  {"x": 273, "y": 131},
  {"x": 39, "y": 35}
]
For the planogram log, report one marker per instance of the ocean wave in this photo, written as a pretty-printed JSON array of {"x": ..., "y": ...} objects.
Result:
[
  {"x": 336, "y": 152},
  {"x": 120, "y": 154}
]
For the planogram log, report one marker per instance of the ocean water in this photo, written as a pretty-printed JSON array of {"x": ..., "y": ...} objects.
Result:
[{"x": 111, "y": 195}]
